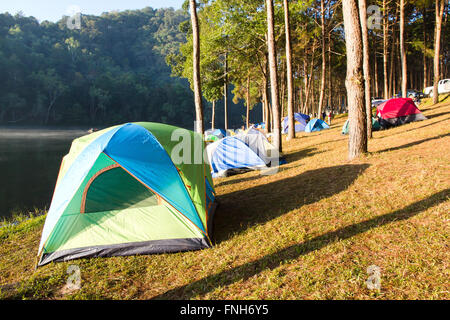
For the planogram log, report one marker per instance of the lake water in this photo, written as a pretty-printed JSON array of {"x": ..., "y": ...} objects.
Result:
[{"x": 29, "y": 163}]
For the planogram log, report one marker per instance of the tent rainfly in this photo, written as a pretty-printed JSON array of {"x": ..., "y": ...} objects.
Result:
[
  {"x": 119, "y": 193},
  {"x": 316, "y": 125},
  {"x": 398, "y": 111},
  {"x": 230, "y": 156},
  {"x": 300, "y": 121}
]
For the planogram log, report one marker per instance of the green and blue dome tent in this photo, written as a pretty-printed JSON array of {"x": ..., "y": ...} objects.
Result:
[{"x": 119, "y": 193}]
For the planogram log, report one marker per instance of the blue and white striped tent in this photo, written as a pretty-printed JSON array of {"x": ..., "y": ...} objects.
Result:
[{"x": 232, "y": 155}]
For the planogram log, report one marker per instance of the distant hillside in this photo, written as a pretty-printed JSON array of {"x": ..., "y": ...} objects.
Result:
[{"x": 111, "y": 70}]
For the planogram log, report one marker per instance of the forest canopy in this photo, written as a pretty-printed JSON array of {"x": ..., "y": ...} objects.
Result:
[
  {"x": 136, "y": 65},
  {"x": 111, "y": 70}
]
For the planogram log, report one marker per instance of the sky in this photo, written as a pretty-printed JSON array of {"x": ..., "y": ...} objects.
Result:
[{"x": 53, "y": 10}]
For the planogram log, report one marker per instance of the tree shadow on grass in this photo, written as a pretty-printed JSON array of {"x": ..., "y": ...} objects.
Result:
[
  {"x": 242, "y": 209},
  {"x": 414, "y": 143},
  {"x": 433, "y": 106},
  {"x": 431, "y": 116},
  {"x": 443, "y": 98},
  {"x": 301, "y": 154},
  {"x": 292, "y": 157},
  {"x": 272, "y": 261},
  {"x": 340, "y": 138},
  {"x": 417, "y": 128}
]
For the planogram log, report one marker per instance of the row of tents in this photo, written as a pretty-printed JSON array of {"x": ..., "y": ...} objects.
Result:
[
  {"x": 302, "y": 123},
  {"x": 235, "y": 151},
  {"x": 119, "y": 192}
]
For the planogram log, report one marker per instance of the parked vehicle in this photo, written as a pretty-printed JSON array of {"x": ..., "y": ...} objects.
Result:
[
  {"x": 376, "y": 101},
  {"x": 412, "y": 93},
  {"x": 443, "y": 87}
]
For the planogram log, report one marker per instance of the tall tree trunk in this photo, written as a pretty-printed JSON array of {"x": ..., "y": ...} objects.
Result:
[
  {"x": 425, "y": 73},
  {"x": 309, "y": 83},
  {"x": 247, "y": 116},
  {"x": 330, "y": 84},
  {"x": 305, "y": 81},
  {"x": 312, "y": 104},
  {"x": 266, "y": 97},
  {"x": 437, "y": 47},
  {"x": 294, "y": 98},
  {"x": 375, "y": 74},
  {"x": 354, "y": 80},
  {"x": 282, "y": 86},
  {"x": 300, "y": 103},
  {"x": 322, "y": 80},
  {"x": 392, "y": 66},
  {"x": 290, "y": 87},
  {"x": 403, "y": 50},
  {"x": 270, "y": 116},
  {"x": 313, "y": 98},
  {"x": 385, "y": 50},
  {"x": 273, "y": 76},
  {"x": 366, "y": 65},
  {"x": 225, "y": 92},
  {"x": 213, "y": 114},
  {"x": 398, "y": 62},
  {"x": 263, "y": 107},
  {"x": 196, "y": 68}
]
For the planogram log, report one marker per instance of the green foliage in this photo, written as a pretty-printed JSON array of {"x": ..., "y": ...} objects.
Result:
[
  {"x": 110, "y": 71},
  {"x": 221, "y": 35}
]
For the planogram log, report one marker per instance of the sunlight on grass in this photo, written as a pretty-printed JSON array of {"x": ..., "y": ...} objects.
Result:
[{"x": 308, "y": 232}]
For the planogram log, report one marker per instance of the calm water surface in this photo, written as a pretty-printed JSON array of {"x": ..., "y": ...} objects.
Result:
[{"x": 29, "y": 165}]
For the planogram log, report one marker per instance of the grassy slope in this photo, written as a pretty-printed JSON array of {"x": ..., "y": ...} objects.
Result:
[{"x": 308, "y": 232}]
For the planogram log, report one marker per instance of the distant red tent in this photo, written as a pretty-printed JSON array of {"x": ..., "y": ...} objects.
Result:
[{"x": 398, "y": 111}]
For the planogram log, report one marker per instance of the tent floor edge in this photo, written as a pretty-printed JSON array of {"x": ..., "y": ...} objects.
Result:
[
  {"x": 126, "y": 249},
  {"x": 398, "y": 121}
]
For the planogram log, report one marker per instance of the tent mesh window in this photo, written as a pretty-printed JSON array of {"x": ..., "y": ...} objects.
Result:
[{"x": 115, "y": 189}]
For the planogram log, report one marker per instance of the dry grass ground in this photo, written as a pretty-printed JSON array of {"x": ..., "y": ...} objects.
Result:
[{"x": 308, "y": 232}]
